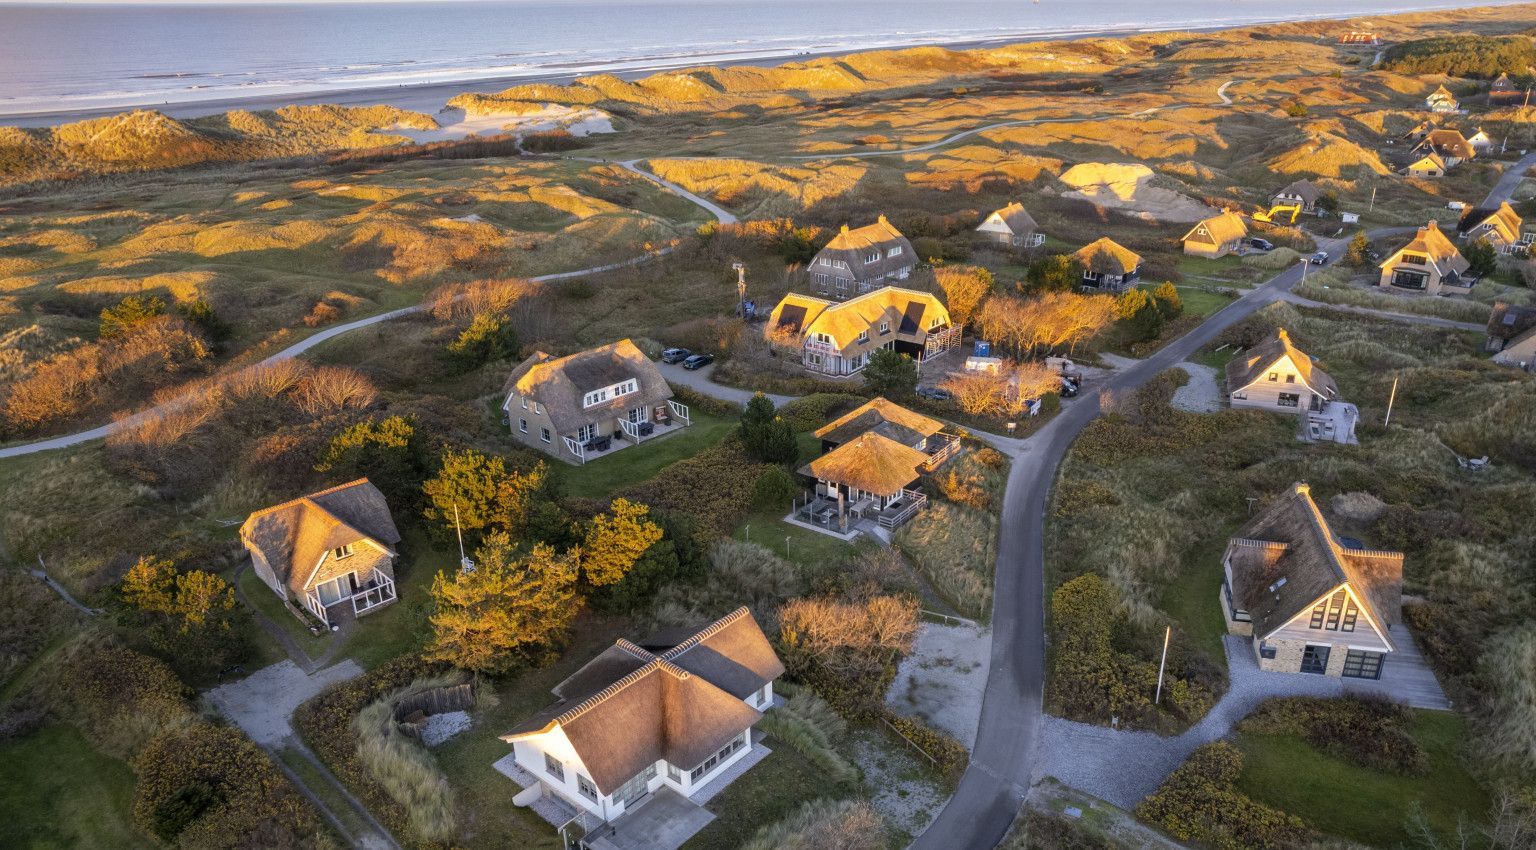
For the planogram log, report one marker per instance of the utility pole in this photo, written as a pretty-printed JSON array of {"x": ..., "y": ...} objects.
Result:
[
  {"x": 1305, "y": 262},
  {"x": 741, "y": 289},
  {"x": 1385, "y": 422},
  {"x": 1162, "y": 665},
  {"x": 1373, "y": 200},
  {"x": 465, "y": 564}
]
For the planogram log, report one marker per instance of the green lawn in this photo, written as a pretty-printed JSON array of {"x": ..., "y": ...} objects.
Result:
[
  {"x": 639, "y": 463},
  {"x": 58, "y": 792},
  {"x": 1191, "y": 597},
  {"x": 768, "y": 793},
  {"x": 264, "y": 600},
  {"x": 1344, "y": 799},
  {"x": 793, "y": 543},
  {"x": 1196, "y": 301}
]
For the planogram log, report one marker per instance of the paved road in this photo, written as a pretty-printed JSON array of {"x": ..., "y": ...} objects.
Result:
[
  {"x": 1505, "y": 188},
  {"x": 699, "y": 380},
  {"x": 1002, "y": 763}
]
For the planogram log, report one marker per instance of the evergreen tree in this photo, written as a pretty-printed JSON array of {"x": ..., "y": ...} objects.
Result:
[
  {"x": 1056, "y": 273},
  {"x": 1483, "y": 259},
  {"x": 616, "y": 540},
  {"x": 488, "y": 338},
  {"x": 766, "y": 437},
  {"x": 386, "y": 451},
  {"x": 129, "y": 312},
  {"x": 890, "y": 374},
  {"x": 1358, "y": 255},
  {"x": 1166, "y": 297},
  {"x": 486, "y": 494},
  {"x": 506, "y": 611}
]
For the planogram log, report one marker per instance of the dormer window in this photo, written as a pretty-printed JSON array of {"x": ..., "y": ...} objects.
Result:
[
  {"x": 885, "y": 327},
  {"x": 342, "y": 552},
  {"x": 622, "y": 388},
  {"x": 872, "y": 257},
  {"x": 863, "y": 336},
  {"x": 1416, "y": 259},
  {"x": 894, "y": 252}
]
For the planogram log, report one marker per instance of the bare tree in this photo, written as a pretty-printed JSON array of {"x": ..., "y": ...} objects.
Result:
[{"x": 327, "y": 389}]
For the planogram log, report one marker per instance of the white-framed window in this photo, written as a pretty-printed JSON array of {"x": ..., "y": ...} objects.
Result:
[
  {"x": 1274, "y": 376},
  {"x": 585, "y": 786},
  {"x": 544, "y": 434},
  {"x": 586, "y": 432},
  {"x": 525, "y": 404},
  {"x": 872, "y": 257},
  {"x": 894, "y": 252},
  {"x": 342, "y": 552},
  {"x": 885, "y": 327},
  {"x": 934, "y": 323},
  {"x": 863, "y": 336},
  {"x": 522, "y": 426},
  {"x": 554, "y": 767},
  {"x": 674, "y": 773},
  {"x": 714, "y": 761},
  {"x": 595, "y": 397},
  {"x": 538, "y": 408}
]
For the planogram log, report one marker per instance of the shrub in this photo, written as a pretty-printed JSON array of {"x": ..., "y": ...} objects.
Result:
[
  {"x": 810, "y": 412},
  {"x": 844, "y": 824},
  {"x": 954, "y": 547},
  {"x": 128, "y": 313},
  {"x": 1374, "y": 733},
  {"x": 774, "y": 488},
  {"x": 890, "y": 374},
  {"x": 949, "y": 755},
  {"x": 697, "y": 401},
  {"x": 210, "y": 786},
  {"x": 716, "y": 487},
  {"x": 488, "y": 338},
  {"x": 1198, "y": 803},
  {"x": 121, "y": 699}
]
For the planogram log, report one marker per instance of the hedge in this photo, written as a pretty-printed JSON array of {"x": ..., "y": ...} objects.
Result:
[
  {"x": 816, "y": 410},
  {"x": 1197, "y": 802},
  {"x": 702, "y": 403},
  {"x": 948, "y": 754},
  {"x": 1371, "y": 732}
]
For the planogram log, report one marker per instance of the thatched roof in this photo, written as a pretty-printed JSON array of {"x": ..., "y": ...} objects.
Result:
[
  {"x": 908, "y": 312},
  {"x": 1218, "y": 229},
  {"x": 295, "y": 535},
  {"x": 1431, "y": 242},
  {"x": 1017, "y": 219},
  {"x": 1287, "y": 558},
  {"x": 1106, "y": 256},
  {"x": 1446, "y": 143},
  {"x": 1441, "y": 95},
  {"x": 1502, "y": 220},
  {"x": 853, "y": 247},
  {"x": 1247, "y": 367},
  {"x": 631, "y": 706},
  {"x": 882, "y": 417},
  {"x": 1510, "y": 321},
  {"x": 871, "y": 463},
  {"x": 560, "y": 383},
  {"x": 1306, "y": 190}
]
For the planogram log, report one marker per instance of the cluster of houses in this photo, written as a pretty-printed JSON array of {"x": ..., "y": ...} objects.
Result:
[{"x": 1436, "y": 150}]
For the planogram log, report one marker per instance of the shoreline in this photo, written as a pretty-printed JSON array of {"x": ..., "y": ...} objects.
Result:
[{"x": 431, "y": 98}]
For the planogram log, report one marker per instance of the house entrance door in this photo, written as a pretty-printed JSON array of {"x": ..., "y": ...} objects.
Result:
[
  {"x": 1315, "y": 659},
  {"x": 636, "y": 788}
]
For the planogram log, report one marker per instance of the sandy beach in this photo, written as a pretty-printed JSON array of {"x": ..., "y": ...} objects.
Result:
[{"x": 432, "y": 98}]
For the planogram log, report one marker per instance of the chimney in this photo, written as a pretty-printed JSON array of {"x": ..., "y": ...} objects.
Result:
[
  {"x": 881, "y": 219},
  {"x": 1303, "y": 488},
  {"x": 1282, "y": 334},
  {"x": 845, "y": 228}
]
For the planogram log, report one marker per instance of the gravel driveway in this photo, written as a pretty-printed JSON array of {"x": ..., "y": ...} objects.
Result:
[
  {"x": 1200, "y": 394},
  {"x": 262, "y": 702},
  {"x": 942, "y": 680}
]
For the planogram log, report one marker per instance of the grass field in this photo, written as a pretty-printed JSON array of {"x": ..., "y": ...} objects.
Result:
[
  {"x": 769, "y": 792},
  {"x": 1363, "y": 805},
  {"x": 1190, "y": 597},
  {"x": 791, "y": 542},
  {"x": 639, "y": 463},
  {"x": 56, "y": 792}
]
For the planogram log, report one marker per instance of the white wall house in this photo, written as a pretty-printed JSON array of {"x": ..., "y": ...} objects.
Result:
[
  {"x": 673, "y": 713},
  {"x": 1279, "y": 377}
]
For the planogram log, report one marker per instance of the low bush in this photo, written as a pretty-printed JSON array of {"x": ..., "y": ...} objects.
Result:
[
  {"x": 716, "y": 487},
  {"x": 948, "y": 755},
  {"x": 1199, "y": 803},
  {"x": 955, "y": 548},
  {"x": 121, "y": 699},
  {"x": 1443, "y": 308},
  {"x": 1275, "y": 260},
  {"x": 708, "y": 404},
  {"x": 813, "y": 411},
  {"x": 844, "y": 824},
  {"x": 1370, "y": 732},
  {"x": 210, "y": 786},
  {"x": 1037, "y": 830}
]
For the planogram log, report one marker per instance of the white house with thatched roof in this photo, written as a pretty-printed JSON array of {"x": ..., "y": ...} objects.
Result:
[
  {"x": 1310, "y": 603},
  {"x": 1012, "y": 226},
  {"x": 859, "y": 260},
  {"x": 1501, "y": 226},
  {"x": 1107, "y": 265},
  {"x": 1512, "y": 335},
  {"x": 332, "y": 552},
  {"x": 836, "y": 337},
  {"x": 1441, "y": 100},
  {"x": 671, "y": 717},
  {"x": 586, "y": 405},
  {"x": 1279, "y": 377}
]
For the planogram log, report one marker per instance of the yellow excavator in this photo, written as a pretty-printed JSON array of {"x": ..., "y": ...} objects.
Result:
[{"x": 1268, "y": 217}]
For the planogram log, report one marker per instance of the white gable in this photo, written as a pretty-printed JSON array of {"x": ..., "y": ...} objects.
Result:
[
  {"x": 1280, "y": 368},
  {"x": 1370, "y": 632}
]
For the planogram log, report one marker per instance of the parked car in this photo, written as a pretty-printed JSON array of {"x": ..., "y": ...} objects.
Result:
[
  {"x": 698, "y": 361},
  {"x": 1070, "y": 386},
  {"x": 935, "y": 393},
  {"x": 1320, "y": 258},
  {"x": 675, "y": 355},
  {"x": 1456, "y": 205},
  {"x": 1261, "y": 244}
]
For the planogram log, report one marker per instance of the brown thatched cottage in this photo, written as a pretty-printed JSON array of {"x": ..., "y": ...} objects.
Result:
[
  {"x": 649, "y": 730},
  {"x": 1427, "y": 263},
  {"x": 1310, "y": 603},
  {"x": 590, "y": 404},
  {"x": 1501, "y": 226},
  {"x": 332, "y": 551},
  {"x": 1279, "y": 377},
  {"x": 1013, "y": 227},
  {"x": 1512, "y": 335},
  {"x": 1216, "y": 236},
  {"x": 1108, "y": 266},
  {"x": 859, "y": 260}
]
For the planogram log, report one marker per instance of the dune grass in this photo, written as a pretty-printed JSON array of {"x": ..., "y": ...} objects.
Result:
[{"x": 955, "y": 548}]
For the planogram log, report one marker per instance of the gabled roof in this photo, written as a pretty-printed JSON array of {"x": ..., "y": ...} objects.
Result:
[
  {"x": 560, "y": 383},
  {"x": 1219, "y": 229},
  {"x": 1106, "y": 256},
  {"x": 295, "y": 535},
  {"x": 1503, "y": 219},
  {"x": 908, "y": 311},
  {"x": 1426, "y": 162},
  {"x": 853, "y": 246},
  {"x": 1017, "y": 218},
  {"x": 882, "y": 417},
  {"x": 1246, "y": 368},
  {"x": 1432, "y": 242},
  {"x": 1306, "y": 190},
  {"x": 1510, "y": 321},
  {"x": 869, "y": 462},
  {"x": 1441, "y": 95},
  {"x": 630, "y": 706},
  {"x": 1287, "y": 558},
  {"x": 1447, "y": 143},
  {"x": 1502, "y": 84}
]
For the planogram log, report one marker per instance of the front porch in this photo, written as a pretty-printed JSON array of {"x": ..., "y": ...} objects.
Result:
[
  {"x": 638, "y": 427},
  {"x": 1334, "y": 422},
  {"x": 825, "y": 512},
  {"x": 344, "y": 597}
]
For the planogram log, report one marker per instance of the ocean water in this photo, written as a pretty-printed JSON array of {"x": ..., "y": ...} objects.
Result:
[{"x": 56, "y": 58}]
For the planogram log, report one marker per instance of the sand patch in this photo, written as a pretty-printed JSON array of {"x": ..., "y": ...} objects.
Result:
[
  {"x": 1127, "y": 187},
  {"x": 458, "y": 124},
  {"x": 943, "y": 679}
]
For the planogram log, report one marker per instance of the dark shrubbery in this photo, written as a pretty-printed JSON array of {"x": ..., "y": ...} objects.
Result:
[
  {"x": 949, "y": 754},
  {"x": 1462, "y": 56},
  {"x": 701, "y": 403},
  {"x": 1370, "y": 732},
  {"x": 1199, "y": 803},
  {"x": 813, "y": 411},
  {"x": 715, "y": 487}
]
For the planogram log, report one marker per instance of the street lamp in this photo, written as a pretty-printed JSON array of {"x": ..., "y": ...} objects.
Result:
[{"x": 741, "y": 288}]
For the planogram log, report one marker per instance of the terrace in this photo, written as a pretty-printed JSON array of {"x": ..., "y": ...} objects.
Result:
[{"x": 661, "y": 423}]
